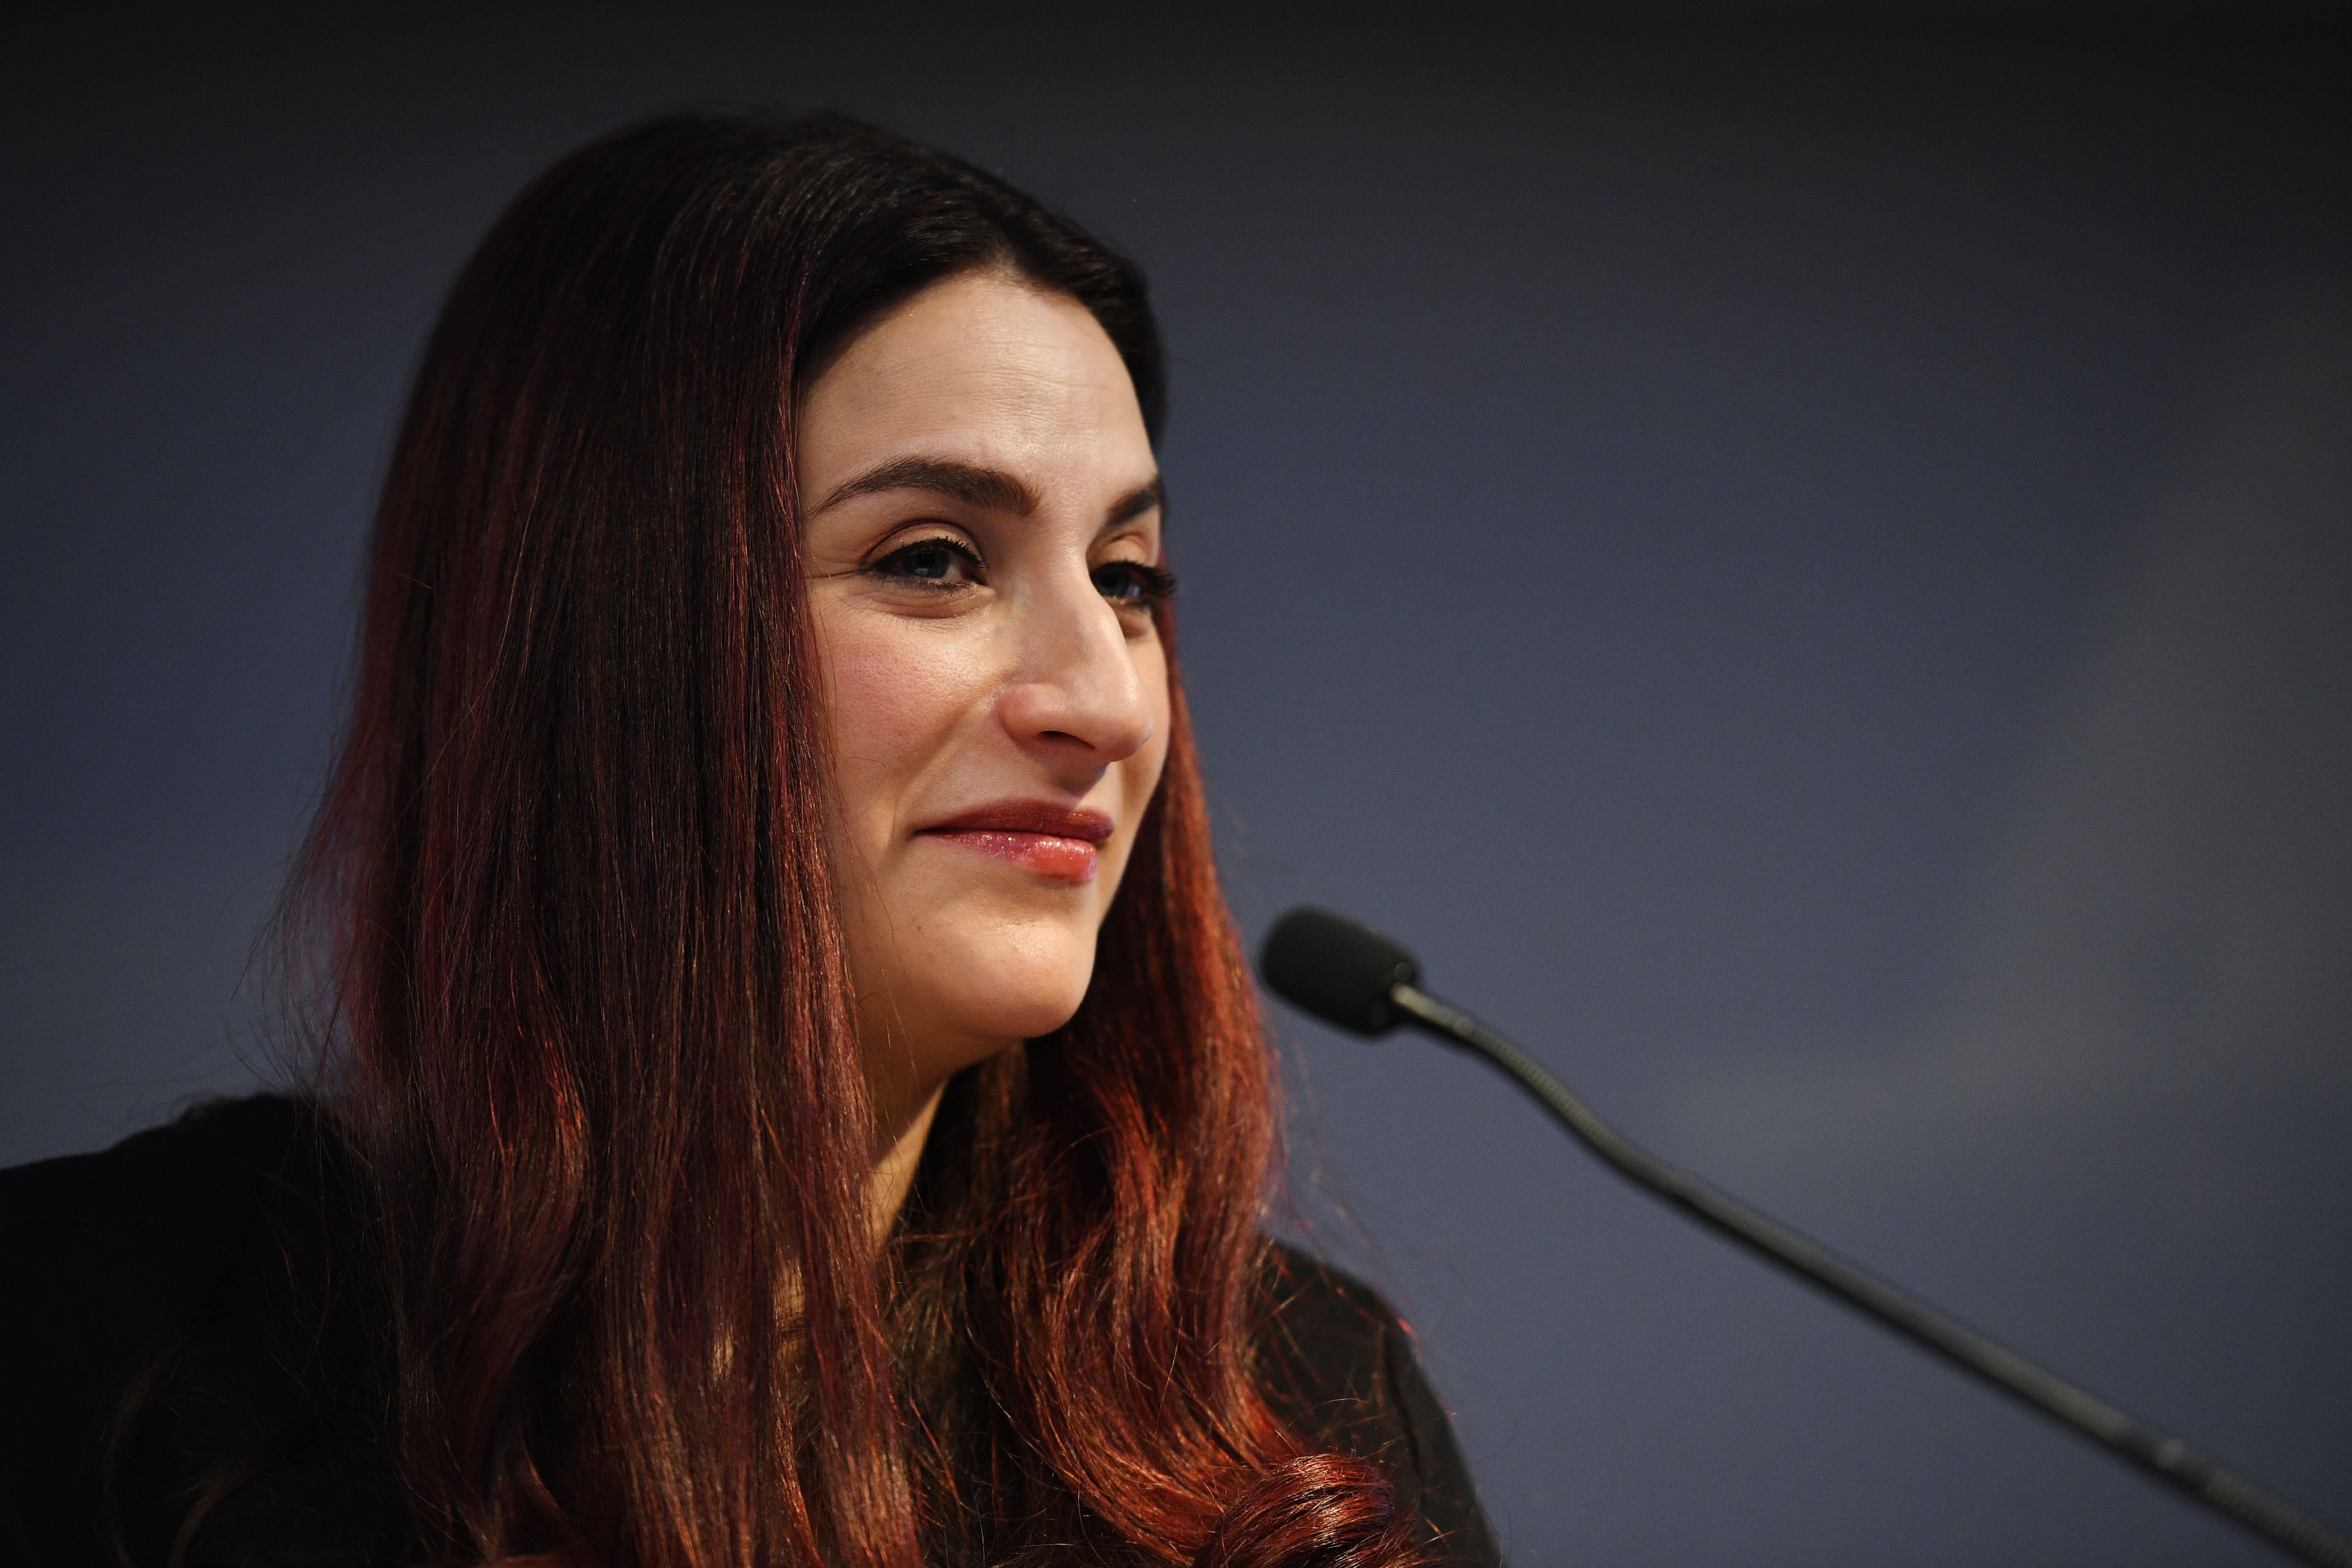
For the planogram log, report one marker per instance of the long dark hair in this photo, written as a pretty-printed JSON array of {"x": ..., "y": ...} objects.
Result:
[{"x": 588, "y": 992}]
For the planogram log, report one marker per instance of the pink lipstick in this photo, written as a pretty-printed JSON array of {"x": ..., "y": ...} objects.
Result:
[{"x": 1054, "y": 841}]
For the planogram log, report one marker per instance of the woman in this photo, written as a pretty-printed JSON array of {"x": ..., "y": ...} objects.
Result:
[{"x": 791, "y": 1090}]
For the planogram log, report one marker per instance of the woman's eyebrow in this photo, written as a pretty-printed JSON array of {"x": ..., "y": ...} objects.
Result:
[
  {"x": 1143, "y": 497},
  {"x": 991, "y": 490}
]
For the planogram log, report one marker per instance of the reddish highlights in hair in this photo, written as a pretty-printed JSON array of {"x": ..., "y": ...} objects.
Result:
[
  {"x": 589, "y": 990},
  {"x": 1322, "y": 1510}
]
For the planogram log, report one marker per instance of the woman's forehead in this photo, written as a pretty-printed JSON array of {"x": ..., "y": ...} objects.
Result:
[{"x": 985, "y": 369}]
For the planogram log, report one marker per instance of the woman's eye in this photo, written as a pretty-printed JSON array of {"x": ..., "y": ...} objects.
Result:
[
  {"x": 1126, "y": 583},
  {"x": 938, "y": 563}
]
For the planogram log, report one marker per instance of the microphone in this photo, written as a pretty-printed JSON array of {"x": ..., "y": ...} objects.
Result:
[{"x": 1346, "y": 974}]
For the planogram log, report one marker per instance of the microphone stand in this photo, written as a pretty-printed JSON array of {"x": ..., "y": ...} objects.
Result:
[{"x": 2162, "y": 1456}]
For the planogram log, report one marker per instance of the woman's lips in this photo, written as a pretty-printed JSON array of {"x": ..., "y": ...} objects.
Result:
[
  {"x": 1048, "y": 855},
  {"x": 1053, "y": 841}
]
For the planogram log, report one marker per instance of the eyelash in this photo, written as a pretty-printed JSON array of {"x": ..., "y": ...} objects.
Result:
[
  {"x": 1156, "y": 585},
  {"x": 892, "y": 565}
]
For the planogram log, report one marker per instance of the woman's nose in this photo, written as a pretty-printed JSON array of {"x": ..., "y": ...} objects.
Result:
[{"x": 1076, "y": 700}]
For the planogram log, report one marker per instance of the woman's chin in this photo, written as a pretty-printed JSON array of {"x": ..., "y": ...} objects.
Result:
[
  {"x": 966, "y": 989},
  {"x": 1006, "y": 1013},
  {"x": 1012, "y": 980}
]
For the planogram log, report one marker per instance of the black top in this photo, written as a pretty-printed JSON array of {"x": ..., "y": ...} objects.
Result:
[{"x": 168, "y": 1249}]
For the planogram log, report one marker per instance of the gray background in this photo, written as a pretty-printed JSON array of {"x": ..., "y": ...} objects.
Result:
[{"x": 1805, "y": 565}]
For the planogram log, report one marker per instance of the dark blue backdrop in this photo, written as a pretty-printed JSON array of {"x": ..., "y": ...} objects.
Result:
[{"x": 1808, "y": 569}]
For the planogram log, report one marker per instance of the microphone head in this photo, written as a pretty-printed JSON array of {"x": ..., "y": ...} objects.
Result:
[{"x": 1342, "y": 973}]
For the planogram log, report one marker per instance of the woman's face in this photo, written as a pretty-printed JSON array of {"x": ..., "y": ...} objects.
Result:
[{"x": 981, "y": 539}]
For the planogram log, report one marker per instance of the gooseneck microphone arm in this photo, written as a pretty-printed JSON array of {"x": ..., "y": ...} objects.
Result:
[{"x": 1355, "y": 978}]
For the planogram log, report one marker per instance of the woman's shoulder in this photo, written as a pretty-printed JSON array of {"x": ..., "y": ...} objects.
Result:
[
  {"x": 160, "y": 1201},
  {"x": 88, "y": 1235},
  {"x": 1341, "y": 1366},
  {"x": 243, "y": 1132},
  {"x": 109, "y": 1257},
  {"x": 1328, "y": 1332}
]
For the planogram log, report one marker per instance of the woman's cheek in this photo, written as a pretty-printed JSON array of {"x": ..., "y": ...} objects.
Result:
[{"x": 895, "y": 696}]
